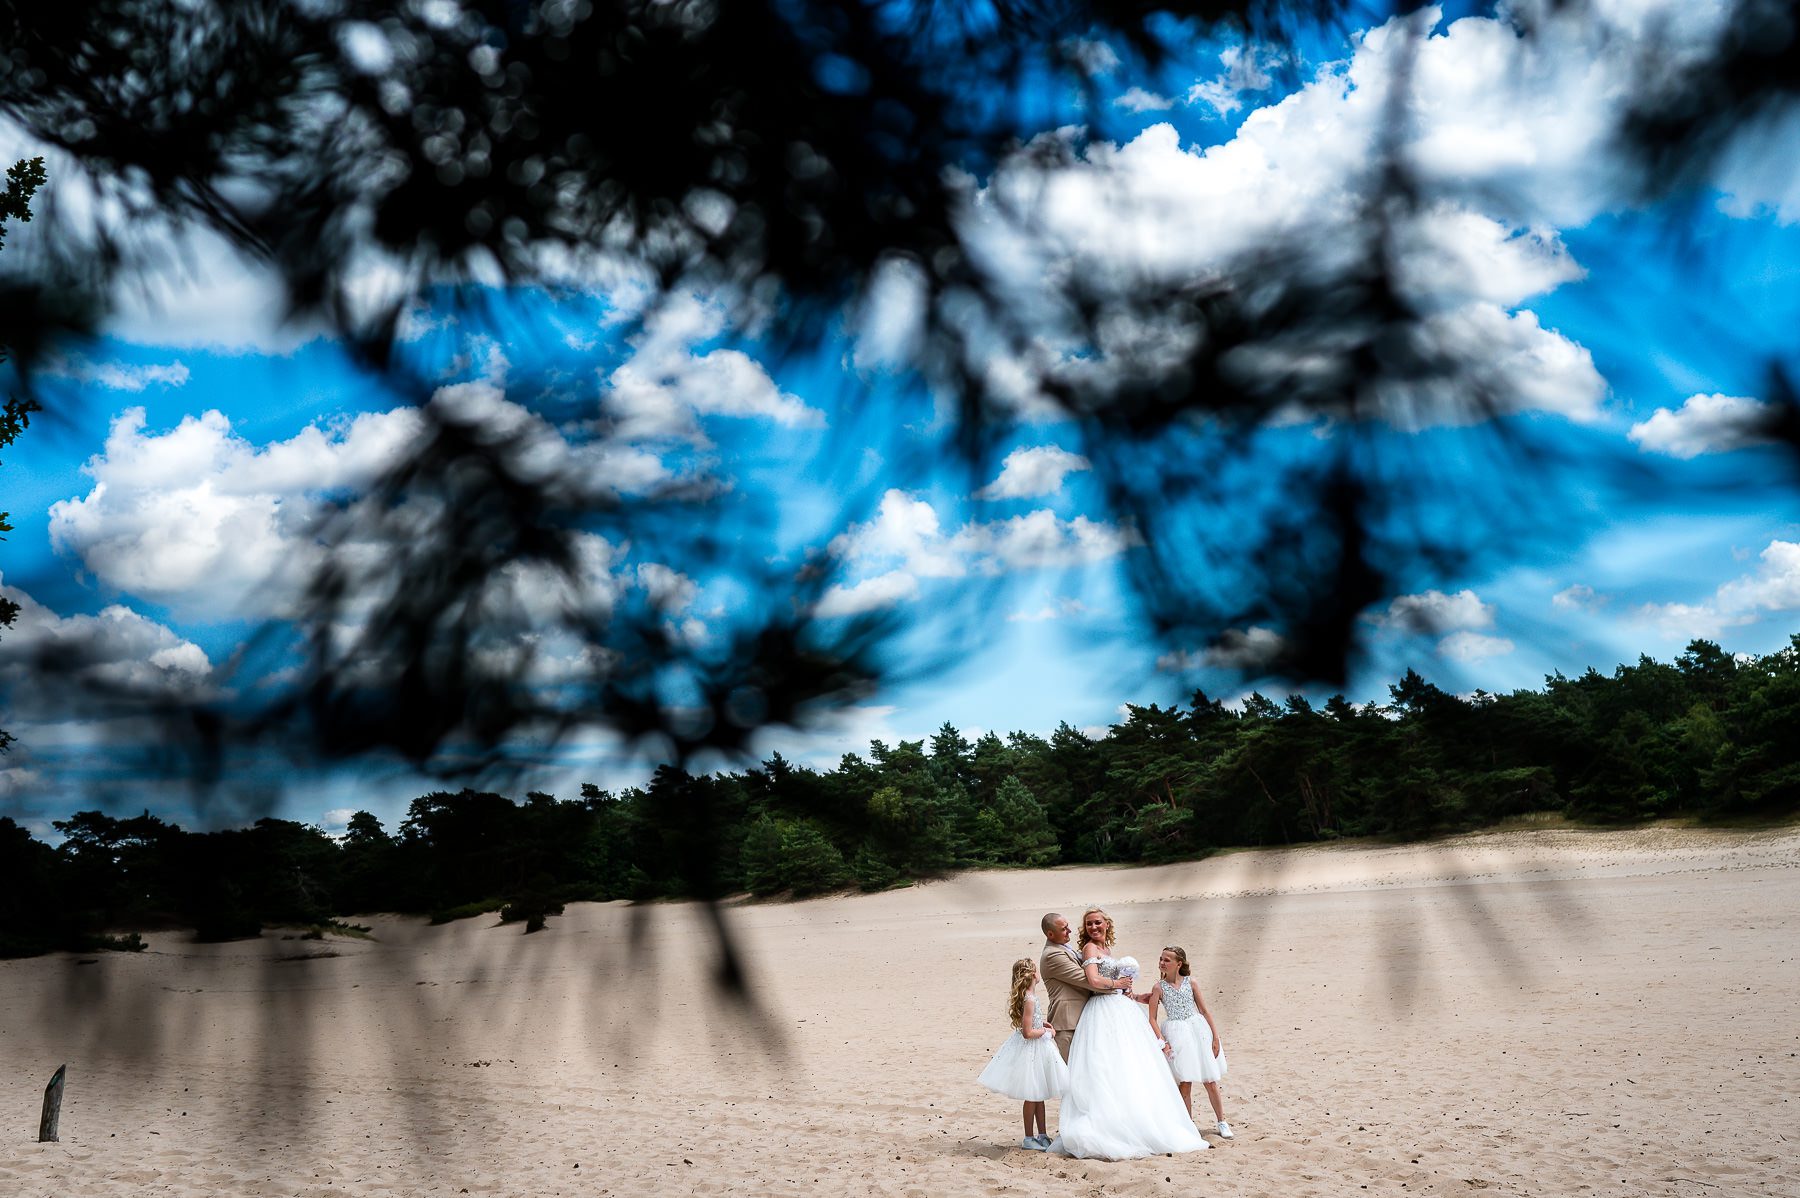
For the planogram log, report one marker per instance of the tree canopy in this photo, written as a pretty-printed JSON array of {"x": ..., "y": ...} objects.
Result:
[{"x": 1708, "y": 736}]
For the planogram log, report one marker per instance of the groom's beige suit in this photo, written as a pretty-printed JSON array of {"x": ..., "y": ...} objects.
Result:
[{"x": 1066, "y": 982}]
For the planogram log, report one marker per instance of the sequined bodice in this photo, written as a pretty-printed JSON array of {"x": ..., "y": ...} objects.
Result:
[
  {"x": 1177, "y": 1000},
  {"x": 1109, "y": 967}
]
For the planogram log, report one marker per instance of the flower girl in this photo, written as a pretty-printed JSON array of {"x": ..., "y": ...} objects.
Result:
[
  {"x": 1027, "y": 1066},
  {"x": 1194, "y": 1051}
]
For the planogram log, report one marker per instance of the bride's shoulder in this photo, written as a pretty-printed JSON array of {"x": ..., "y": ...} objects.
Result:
[{"x": 1092, "y": 952}]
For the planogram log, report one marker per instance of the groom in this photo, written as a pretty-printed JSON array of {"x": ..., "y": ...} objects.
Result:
[{"x": 1066, "y": 981}]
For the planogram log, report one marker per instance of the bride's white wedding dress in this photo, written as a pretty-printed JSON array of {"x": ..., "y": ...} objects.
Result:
[{"x": 1122, "y": 1101}]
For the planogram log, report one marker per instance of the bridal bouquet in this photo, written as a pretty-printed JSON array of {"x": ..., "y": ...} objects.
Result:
[{"x": 1128, "y": 968}]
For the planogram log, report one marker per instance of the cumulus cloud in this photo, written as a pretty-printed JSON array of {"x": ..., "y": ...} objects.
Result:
[
  {"x": 1091, "y": 56},
  {"x": 1247, "y": 650},
  {"x": 1139, "y": 100},
  {"x": 117, "y": 650},
  {"x": 1578, "y": 597},
  {"x": 202, "y": 519},
  {"x": 1040, "y": 539},
  {"x": 871, "y": 594},
  {"x": 904, "y": 529},
  {"x": 1713, "y": 423},
  {"x": 1245, "y": 69},
  {"x": 1030, "y": 473},
  {"x": 1512, "y": 138},
  {"x": 891, "y": 318},
  {"x": 667, "y": 384},
  {"x": 1690, "y": 621},
  {"x": 1774, "y": 587},
  {"x": 906, "y": 541},
  {"x": 1432, "y": 612},
  {"x": 1473, "y": 646}
]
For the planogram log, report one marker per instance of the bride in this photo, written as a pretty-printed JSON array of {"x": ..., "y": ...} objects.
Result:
[{"x": 1122, "y": 1101}]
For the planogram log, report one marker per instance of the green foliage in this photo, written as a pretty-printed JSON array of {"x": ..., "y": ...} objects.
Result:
[
  {"x": 1024, "y": 835},
  {"x": 23, "y": 178},
  {"x": 761, "y": 857},
  {"x": 792, "y": 855},
  {"x": 1709, "y": 737},
  {"x": 811, "y": 864},
  {"x": 467, "y": 910}
]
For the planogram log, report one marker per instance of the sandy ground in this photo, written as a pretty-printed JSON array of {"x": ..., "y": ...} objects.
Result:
[{"x": 1552, "y": 1012}]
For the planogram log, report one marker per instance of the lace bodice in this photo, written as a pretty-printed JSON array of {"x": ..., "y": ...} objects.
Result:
[
  {"x": 1109, "y": 968},
  {"x": 1177, "y": 1000},
  {"x": 1034, "y": 1014}
]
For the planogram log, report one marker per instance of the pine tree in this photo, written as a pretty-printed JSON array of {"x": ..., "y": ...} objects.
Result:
[
  {"x": 1029, "y": 839},
  {"x": 761, "y": 857},
  {"x": 810, "y": 863}
]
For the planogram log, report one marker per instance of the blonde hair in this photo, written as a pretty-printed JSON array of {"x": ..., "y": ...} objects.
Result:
[
  {"x": 1024, "y": 977},
  {"x": 1107, "y": 942},
  {"x": 1180, "y": 954}
]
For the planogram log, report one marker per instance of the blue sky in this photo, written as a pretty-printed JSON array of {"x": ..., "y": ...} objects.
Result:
[{"x": 194, "y": 437}]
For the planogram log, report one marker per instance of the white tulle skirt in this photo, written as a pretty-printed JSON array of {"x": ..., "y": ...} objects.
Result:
[
  {"x": 1029, "y": 1070},
  {"x": 1192, "y": 1059},
  {"x": 1122, "y": 1102}
]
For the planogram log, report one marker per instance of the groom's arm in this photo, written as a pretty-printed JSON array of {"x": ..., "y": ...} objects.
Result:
[{"x": 1064, "y": 970}]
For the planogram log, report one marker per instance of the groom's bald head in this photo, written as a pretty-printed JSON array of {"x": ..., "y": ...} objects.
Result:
[{"x": 1056, "y": 928}]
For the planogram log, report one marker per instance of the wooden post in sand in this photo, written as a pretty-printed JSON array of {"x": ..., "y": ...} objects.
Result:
[{"x": 52, "y": 1108}]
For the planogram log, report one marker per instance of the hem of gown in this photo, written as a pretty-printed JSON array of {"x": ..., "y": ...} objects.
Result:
[{"x": 1058, "y": 1149}]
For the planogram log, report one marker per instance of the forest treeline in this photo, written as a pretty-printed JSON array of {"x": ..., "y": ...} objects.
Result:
[{"x": 1710, "y": 735}]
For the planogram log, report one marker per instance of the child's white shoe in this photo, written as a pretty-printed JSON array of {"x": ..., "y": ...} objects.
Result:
[
  {"x": 1225, "y": 1131},
  {"x": 1033, "y": 1143}
]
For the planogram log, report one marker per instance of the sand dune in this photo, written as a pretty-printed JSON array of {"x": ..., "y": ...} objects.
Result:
[{"x": 1552, "y": 1012}]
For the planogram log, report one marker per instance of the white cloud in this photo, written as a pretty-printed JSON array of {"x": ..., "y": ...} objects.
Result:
[
  {"x": 1690, "y": 621},
  {"x": 669, "y": 590},
  {"x": 1578, "y": 597},
  {"x": 1513, "y": 138},
  {"x": 666, "y": 384},
  {"x": 1092, "y": 56},
  {"x": 202, "y": 519},
  {"x": 904, "y": 529},
  {"x": 871, "y": 594},
  {"x": 1703, "y": 424},
  {"x": 178, "y": 286},
  {"x": 1246, "y": 69},
  {"x": 1473, "y": 646},
  {"x": 890, "y": 319},
  {"x": 1756, "y": 171},
  {"x": 1247, "y": 650},
  {"x": 1433, "y": 612},
  {"x": 1040, "y": 539},
  {"x": 1773, "y": 588},
  {"x": 1033, "y": 472},
  {"x": 906, "y": 542},
  {"x": 116, "y": 648},
  {"x": 117, "y": 376},
  {"x": 199, "y": 518},
  {"x": 1139, "y": 100}
]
